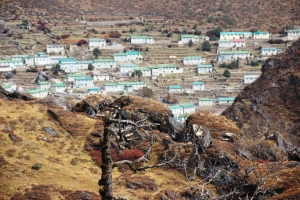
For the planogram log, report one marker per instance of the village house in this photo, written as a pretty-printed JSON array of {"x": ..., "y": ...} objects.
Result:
[
  {"x": 235, "y": 35},
  {"x": 162, "y": 69},
  {"x": 174, "y": 88},
  {"x": 205, "y": 101},
  {"x": 145, "y": 70},
  {"x": 128, "y": 56},
  {"x": 100, "y": 77},
  {"x": 43, "y": 85},
  {"x": 176, "y": 110},
  {"x": 232, "y": 43},
  {"x": 5, "y": 68},
  {"x": 225, "y": 100},
  {"x": 93, "y": 90},
  {"x": 55, "y": 48},
  {"x": 198, "y": 86},
  {"x": 96, "y": 42},
  {"x": 41, "y": 59},
  {"x": 293, "y": 34},
  {"x": 185, "y": 39},
  {"x": 104, "y": 63},
  {"x": 58, "y": 87},
  {"x": 183, "y": 109},
  {"x": 113, "y": 87},
  {"x": 141, "y": 39},
  {"x": 82, "y": 82},
  {"x": 10, "y": 87},
  {"x": 71, "y": 77},
  {"x": 126, "y": 68},
  {"x": 38, "y": 93},
  {"x": 68, "y": 64},
  {"x": 129, "y": 86},
  {"x": 13, "y": 64},
  {"x": 84, "y": 64},
  {"x": 192, "y": 60},
  {"x": 53, "y": 60},
  {"x": 204, "y": 68},
  {"x": 250, "y": 78},
  {"x": 270, "y": 51},
  {"x": 261, "y": 35},
  {"x": 27, "y": 60},
  {"x": 232, "y": 55}
]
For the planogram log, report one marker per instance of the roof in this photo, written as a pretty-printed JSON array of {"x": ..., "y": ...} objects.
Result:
[
  {"x": 41, "y": 54},
  {"x": 58, "y": 85},
  {"x": 10, "y": 61},
  {"x": 83, "y": 78},
  {"x": 75, "y": 75},
  {"x": 258, "y": 32},
  {"x": 142, "y": 69},
  {"x": 94, "y": 89},
  {"x": 205, "y": 99},
  {"x": 43, "y": 83},
  {"x": 221, "y": 41},
  {"x": 67, "y": 60},
  {"x": 251, "y": 75},
  {"x": 133, "y": 53},
  {"x": 96, "y": 39},
  {"x": 162, "y": 66},
  {"x": 226, "y": 98},
  {"x": 128, "y": 65},
  {"x": 85, "y": 62},
  {"x": 131, "y": 83},
  {"x": 141, "y": 36},
  {"x": 104, "y": 60},
  {"x": 234, "y": 52},
  {"x": 36, "y": 91},
  {"x": 269, "y": 48},
  {"x": 295, "y": 30},
  {"x": 174, "y": 87},
  {"x": 188, "y": 105},
  {"x": 110, "y": 84},
  {"x": 120, "y": 54},
  {"x": 20, "y": 56},
  {"x": 198, "y": 83},
  {"x": 204, "y": 66},
  {"x": 235, "y": 33},
  {"x": 5, "y": 86},
  {"x": 175, "y": 107},
  {"x": 192, "y": 57},
  {"x": 189, "y": 36}
]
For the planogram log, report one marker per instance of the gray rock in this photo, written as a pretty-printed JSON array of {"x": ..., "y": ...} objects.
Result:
[
  {"x": 90, "y": 111},
  {"x": 2, "y": 26},
  {"x": 244, "y": 154},
  {"x": 51, "y": 131}
]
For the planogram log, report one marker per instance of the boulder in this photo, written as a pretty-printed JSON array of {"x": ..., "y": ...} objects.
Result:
[{"x": 51, "y": 131}]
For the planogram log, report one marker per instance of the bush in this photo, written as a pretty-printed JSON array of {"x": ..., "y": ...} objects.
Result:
[
  {"x": 206, "y": 46},
  {"x": 81, "y": 42},
  {"x": 115, "y": 34},
  {"x": 227, "y": 73},
  {"x": 36, "y": 166},
  {"x": 64, "y": 36},
  {"x": 254, "y": 63}
]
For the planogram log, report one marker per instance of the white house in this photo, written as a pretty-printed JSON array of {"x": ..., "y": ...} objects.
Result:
[
  {"x": 105, "y": 63},
  {"x": 225, "y": 100},
  {"x": 204, "y": 68},
  {"x": 235, "y": 35},
  {"x": 84, "y": 64},
  {"x": 100, "y": 77},
  {"x": 127, "y": 67},
  {"x": 133, "y": 85},
  {"x": 188, "y": 108},
  {"x": 27, "y": 60},
  {"x": 39, "y": 93},
  {"x": 145, "y": 70},
  {"x": 192, "y": 60},
  {"x": 68, "y": 64},
  {"x": 198, "y": 86},
  {"x": 232, "y": 43},
  {"x": 58, "y": 87},
  {"x": 163, "y": 69},
  {"x": 43, "y": 85},
  {"x": 141, "y": 40},
  {"x": 186, "y": 38},
  {"x": 293, "y": 34},
  {"x": 10, "y": 87},
  {"x": 232, "y": 55},
  {"x": 270, "y": 51},
  {"x": 174, "y": 88},
  {"x": 113, "y": 87},
  {"x": 71, "y": 77},
  {"x": 84, "y": 82},
  {"x": 93, "y": 90},
  {"x": 176, "y": 110},
  {"x": 5, "y": 68},
  {"x": 13, "y": 64},
  {"x": 250, "y": 78},
  {"x": 261, "y": 35},
  {"x": 55, "y": 48},
  {"x": 53, "y": 60},
  {"x": 205, "y": 101},
  {"x": 128, "y": 56},
  {"x": 96, "y": 42},
  {"x": 41, "y": 58}
]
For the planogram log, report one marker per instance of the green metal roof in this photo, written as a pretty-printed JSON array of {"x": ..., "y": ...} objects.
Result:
[
  {"x": 235, "y": 33},
  {"x": 44, "y": 83},
  {"x": 174, "y": 87},
  {"x": 234, "y": 52},
  {"x": 94, "y": 89},
  {"x": 192, "y": 57},
  {"x": 96, "y": 39},
  {"x": 269, "y": 48},
  {"x": 83, "y": 78},
  {"x": 5, "y": 86},
  {"x": 204, "y": 66},
  {"x": 110, "y": 84},
  {"x": 58, "y": 85},
  {"x": 175, "y": 107},
  {"x": 128, "y": 65},
  {"x": 163, "y": 66},
  {"x": 20, "y": 56},
  {"x": 295, "y": 30},
  {"x": 75, "y": 75},
  {"x": 142, "y": 69},
  {"x": 36, "y": 91},
  {"x": 104, "y": 60},
  {"x": 198, "y": 83},
  {"x": 205, "y": 99},
  {"x": 133, "y": 53},
  {"x": 189, "y": 36},
  {"x": 223, "y": 41},
  {"x": 120, "y": 54},
  {"x": 226, "y": 98},
  {"x": 141, "y": 36},
  {"x": 67, "y": 60},
  {"x": 85, "y": 62},
  {"x": 10, "y": 61},
  {"x": 188, "y": 105},
  {"x": 258, "y": 33}
]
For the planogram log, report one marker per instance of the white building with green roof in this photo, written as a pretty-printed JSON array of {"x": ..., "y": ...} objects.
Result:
[
  {"x": 204, "y": 68},
  {"x": 232, "y": 43},
  {"x": 128, "y": 56},
  {"x": 174, "y": 88},
  {"x": 183, "y": 109},
  {"x": 43, "y": 85},
  {"x": 224, "y": 56},
  {"x": 125, "y": 68},
  {"x": 261, "y": 35},
  {"x": 192, "y": 60},
  {"x": 104, "y": 63},
  {"x": 55, "y": 48},
  {"x": 41, "y": 59},
  {"x": 58, "y": 87},
  {"x": 10, "y": 87},
  {"x": 123, "y": 86},
  {"x": 145, "y": 70},
  {"x": 235, "y": 35},
  {"x": 185, "y": 39},
  {"x": 270, "y": 51},
  {"x": 8, "y": 65},
  {"x": 68, "y": 64},
  {"x": 38, "y": 93},
  {"x": 204, "y": 101},
  {"x": 140, "y": 39},
  {"x": 198, "y": 86},
  {"x": 55, "y": 59},
  {"x": 293, "y": 34},
  {"x": 71, "y": 77},
  {"x": 83, "y": 82},
  {"x": 84, "y": 64},
  {"x": 163, "y": 69},
  {"x": 96, "y": 42},
  {"x": 27, "y": 59}
]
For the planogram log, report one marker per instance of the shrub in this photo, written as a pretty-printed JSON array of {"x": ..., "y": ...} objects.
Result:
[
  {"x": 254, "y": 63},
  {"x": 81, "y": 42},
  {"x": 36, "y": 166},
  {"x": 115, "y": 34},
  {"x": 64, "y": 36}
]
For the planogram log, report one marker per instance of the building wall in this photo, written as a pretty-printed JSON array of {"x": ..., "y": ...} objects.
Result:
[
  {"x": 204, "y": 70},
  {"x": 198, "y": 87},
  {"x": 101, "y": 77},
  {"x": 192, "y": 61},
  {"x": 205, "y": 103}
]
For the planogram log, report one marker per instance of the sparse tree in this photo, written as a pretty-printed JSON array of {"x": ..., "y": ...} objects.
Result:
[
  {"x": 56, "y": 69},
  {"x": 190, "y": 43},
  {"x": 147, "y": 92},
  {"x": 90, "y": 67},
  {"x": 96, "y": 52},
  {"x": 14, "y": 71},
  {"x": 206, "y": 46},
  {"x": 227, "y": 73}
]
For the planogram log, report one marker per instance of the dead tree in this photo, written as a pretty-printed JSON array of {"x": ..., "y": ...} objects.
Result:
[{"x": 115, "y": 135}]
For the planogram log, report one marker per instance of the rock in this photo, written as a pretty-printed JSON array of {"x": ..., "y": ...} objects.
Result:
[
  {"x": 278, "y": 140},
  {"x": 244, "y": 154},
  {"x": 14, "y": 137},
  {"x": 53, "y": 115},
  {"x": 90, "y": 111},
  {"x": 2, "y": 26},
  {"x": 51, "y": 131},
  {"x": 37, "y": 166}
]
